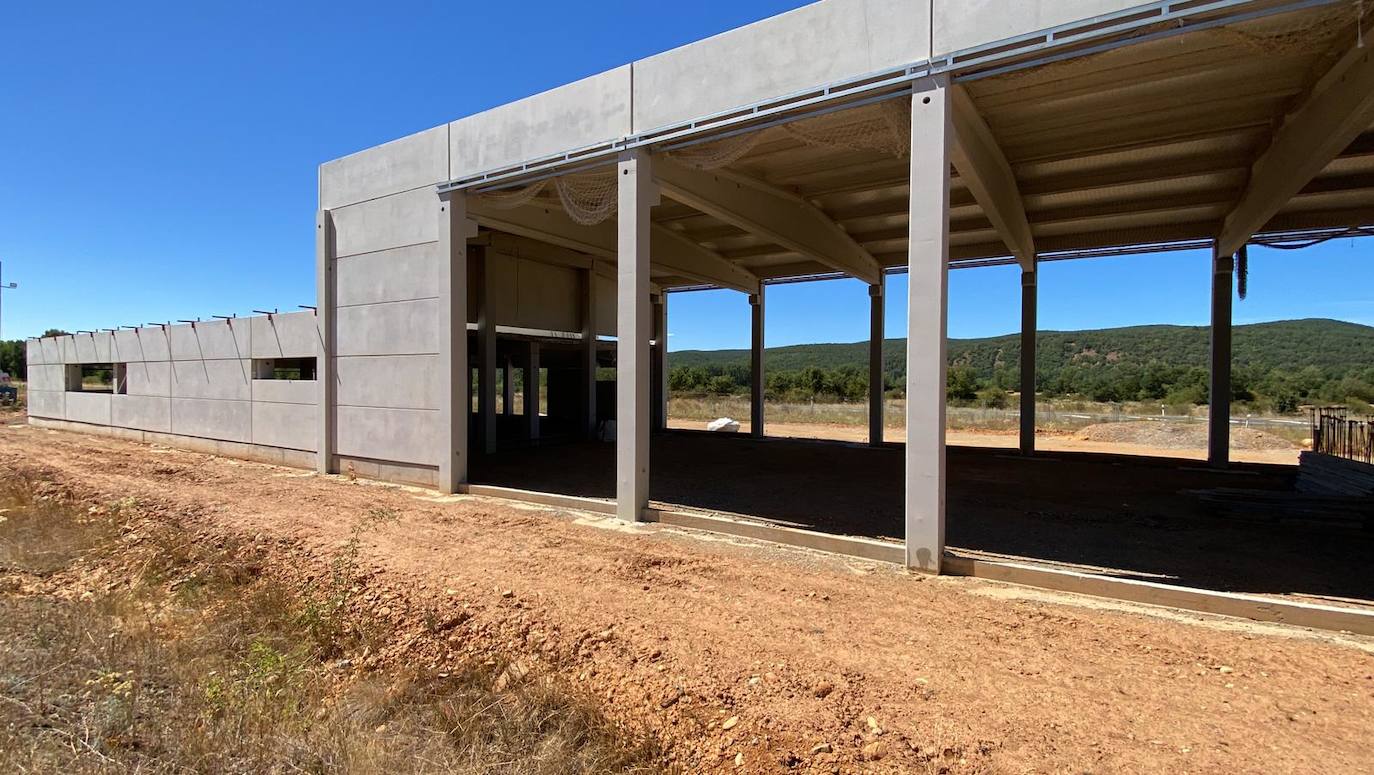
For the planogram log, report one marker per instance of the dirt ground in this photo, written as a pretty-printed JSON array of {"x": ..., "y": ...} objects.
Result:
[
  {"x": 742, "y": 657},
  {"x": 1140, "y": 439}
]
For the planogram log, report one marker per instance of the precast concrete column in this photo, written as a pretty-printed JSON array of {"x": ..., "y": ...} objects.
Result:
[
  {"x": 532, "y": 391},
  {"x": 756, "y": 375},
  {"x": 326, "y": 303},
  {"x": 1219, "y": 397},
  {"x": 637, "y": 194},
  {"x": 660, "y": 358},
  {"x": 486, "y": 351},
  {"x": 588, "y": 381},
  {"x": 508, "y": 388},
  {"x": 876, "y": 392},
  {"x": 455, "y": 380},
  {"x": 1028, "y": 327},
  {"x": 928, "y": 284}
]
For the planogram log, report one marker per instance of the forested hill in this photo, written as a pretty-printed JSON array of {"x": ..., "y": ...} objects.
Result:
[
  {"x": 1107, "y": 364},
  {"x": 1334, "y": 346}
]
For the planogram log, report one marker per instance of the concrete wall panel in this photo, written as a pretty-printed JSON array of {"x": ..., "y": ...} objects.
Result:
[
  {"x": 52, "y": 350},
  {"x": 281, "y": 391},
  {"x": 291, "y": 426},
  {"x": 813, "y": 45},
  {"x": 588, "y": 112},
  {"x": 401, "y": 165},
  {"x": 222, "y": 380},
  {"x": 402, "y": 328},
  {"x": 399, "y": 435},
  {"x": 94, "y": 348},
  {"x": 961, "y": 24},
  {"x": 213, "y": 340},
  {"x": 145, "y": 413},
  {"x": 209, "y": 419},
  {"x": 149, "y": 378},
  {"x": 33, "y": 352},
  {"x": 144, "y": 344},
  {"x": 400, "y": 274},
  {"x": 547, "y": 297},
  {"x": 93, "y": 408},
  {"x": 390, "y": 222},
  {"x": 67, "y": 344},
  {"x": 393, "y": 382},
  {"x": 47, "y": 377},
  {"x": 47, "y": 403},
  {"x": 292, "y": 335}
]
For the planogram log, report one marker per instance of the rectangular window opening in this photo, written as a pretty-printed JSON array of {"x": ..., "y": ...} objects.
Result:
[
  {"x": 97, "y": 378},
  {"x": 289, "y": 369}
]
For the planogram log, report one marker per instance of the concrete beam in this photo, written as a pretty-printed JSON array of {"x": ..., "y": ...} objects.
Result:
[
  {"x": 672, "y": 252},
  {"x": 756, "y": 374},
  {"x": 876, "y": 393},
  {"x": 326, "y": 380},
  {"x": 637, "y": 194},
  {"x": 1338, "y": 109},
  {"x": 932, "y": 134},
  {"x": 984, "y": 168},
  {"x": 1028, "y": 349},
  {"x": 1219, "y": 396},
  {"x": 455, "y": 381},
  {"x": 769, "y": 212}
]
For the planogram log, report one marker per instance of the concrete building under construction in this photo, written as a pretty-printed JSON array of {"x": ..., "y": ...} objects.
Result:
[{"x": 849, "y": 138}]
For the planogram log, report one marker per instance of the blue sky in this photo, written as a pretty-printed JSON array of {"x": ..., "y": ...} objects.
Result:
[{"x": 158, "y": 161}]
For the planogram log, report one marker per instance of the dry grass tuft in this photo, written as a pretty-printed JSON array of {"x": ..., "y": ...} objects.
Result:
[{"x": 153, "y": 650}]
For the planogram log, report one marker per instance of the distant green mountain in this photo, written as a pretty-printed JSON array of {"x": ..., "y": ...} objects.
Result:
[{"x": 1131, "y": 363}]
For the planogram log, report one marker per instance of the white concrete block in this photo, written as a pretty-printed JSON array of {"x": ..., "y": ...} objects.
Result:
[
  {"x": 588, "y": 112},
  {"x": 390, "y": 222},
  {"x": 291, "y": 426},
  {"x": 94, "y": 348},
  {"x": 392, "y": 382},
  {"x": 283, "y": 391},
  {"x": 143, "y": 344},
  {"x": 398, "y": 435},
  {"x": 33, "y": 352},
  {"x": 67, "y": 344},
  {"x": 47, "y": 403},
  {"x": 961, "y": 24},
  {"x": 291, "y": 335},
  {"x": 402, "y": 328},
  {"x": 47, "y": 377},
  {"x": 400, "y": 165},
  {"x": 149, "y": 378},
  {"x": 211, "y": 340},
  {"x": 212, "y": 419},
  {"x": 219, "y": 380},
  {"x": 145, "y": 413},
  {"x": 92, "y": 408},
  {"x": 400, "y": 274},
  {"x": 52, "y": 350},
  {"x": 812, "y": 46}
]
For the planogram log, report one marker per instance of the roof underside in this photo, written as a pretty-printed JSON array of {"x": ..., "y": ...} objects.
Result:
[{"x": 1144, "y": 145}]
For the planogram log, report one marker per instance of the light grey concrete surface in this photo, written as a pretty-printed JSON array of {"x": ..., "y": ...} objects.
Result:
[
  {"x": 143, "y": 344},
  {"x": 961, "y": 24},
  {"x": 47, "y": 377},
  {"x": 282, "y": 391},
  {"x": 47, "y": 403},
  {"x": 146, "y": 413},
  {"x": 149, "y": 378},
  {"x": 398, "y": 274},
  {"x": 209, "y": 418},
  {"x": 33, "y": 351},
  {"x": 291, "y": 426},
  {"x": 586, "y": 112},
  {"x": 813, "y": 45},
  {"x": 289, "y": 335},
  {"x": 210, "y": 340},
  {"x": 93, "y": 348},
  {"x": 272, "y": 455},
  {"x": 389, "y": 222},
  {"x": 222, "y": 380},
  {"x": 636, "y": 193},
  {"x": 393, "y": 328},
  {"x": 93, "y": 408},
  {"x": 412, "y": 162},
  {"x": 389, "y": 382},
  {"x": 399, "y": 435}
]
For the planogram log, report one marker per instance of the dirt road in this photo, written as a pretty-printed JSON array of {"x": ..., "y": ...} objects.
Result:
[
  {"x": 1044, "y": 441},
  {"x": 748, "y": 658}
]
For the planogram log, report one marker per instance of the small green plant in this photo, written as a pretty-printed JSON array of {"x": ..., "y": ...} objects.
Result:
[{"x": 324, "y": 608}]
